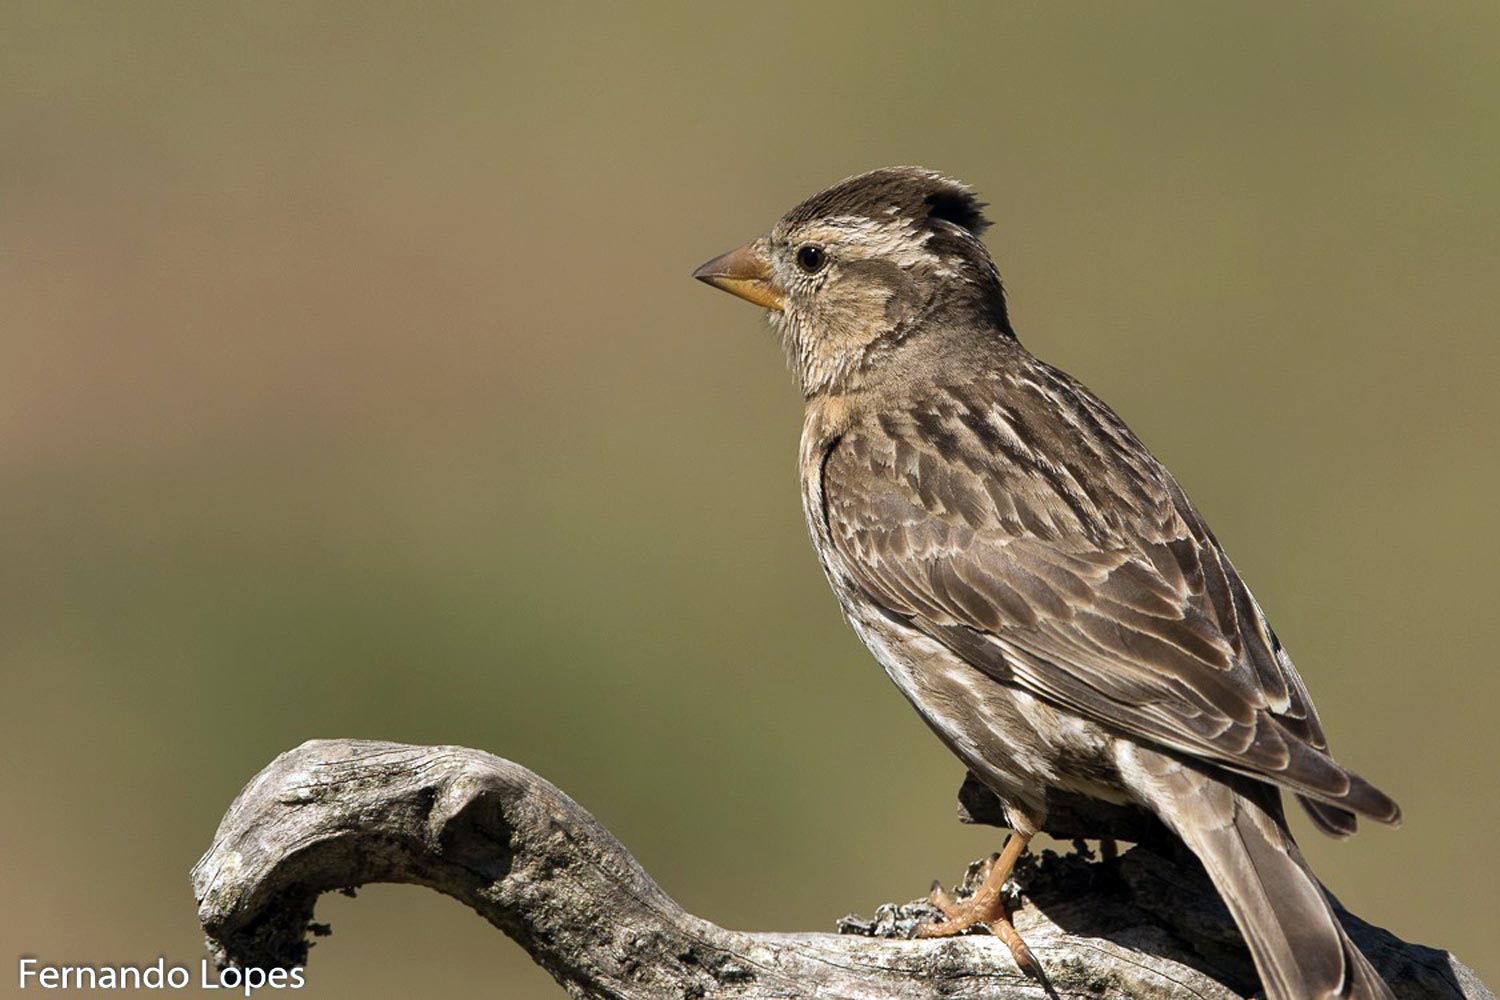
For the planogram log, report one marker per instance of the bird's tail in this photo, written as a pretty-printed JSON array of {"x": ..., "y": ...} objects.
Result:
[{"x": 1237, "y": 829}]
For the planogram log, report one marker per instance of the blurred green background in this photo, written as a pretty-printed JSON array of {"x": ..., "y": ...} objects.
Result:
[{"x": 353, "y": 384}]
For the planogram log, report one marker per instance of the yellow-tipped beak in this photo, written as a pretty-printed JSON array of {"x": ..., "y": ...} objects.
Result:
[{"x": 745, "y": 272}]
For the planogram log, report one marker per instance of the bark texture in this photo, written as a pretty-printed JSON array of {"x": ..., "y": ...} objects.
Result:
[{"x": 335, "y": 814}]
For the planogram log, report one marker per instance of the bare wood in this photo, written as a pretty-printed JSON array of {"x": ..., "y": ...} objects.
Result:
[{"x": 333, "y": 814}]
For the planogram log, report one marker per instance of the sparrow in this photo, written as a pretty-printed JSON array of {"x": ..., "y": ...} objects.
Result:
[{"x": 1033, "y": 580}]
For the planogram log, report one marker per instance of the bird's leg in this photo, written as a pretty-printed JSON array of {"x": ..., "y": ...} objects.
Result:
[{"x": 987, "y": 906}]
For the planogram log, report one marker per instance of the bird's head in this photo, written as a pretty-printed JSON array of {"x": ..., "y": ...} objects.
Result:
[{"x": 857, "y": 270}]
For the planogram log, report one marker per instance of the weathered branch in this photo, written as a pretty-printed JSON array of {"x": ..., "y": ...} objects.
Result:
[{"x": 340, "y": 813}]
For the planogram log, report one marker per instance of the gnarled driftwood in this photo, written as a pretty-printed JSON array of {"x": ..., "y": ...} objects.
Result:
[{"x": 333, "y": 814}]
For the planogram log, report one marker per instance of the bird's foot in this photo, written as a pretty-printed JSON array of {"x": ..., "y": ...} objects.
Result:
[
  {"x": 987, "y": 906},
  {"x": 980, "y": 908}
]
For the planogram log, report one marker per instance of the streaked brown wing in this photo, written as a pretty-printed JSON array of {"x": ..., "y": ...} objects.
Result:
[{"x": 1023, "y": 526}]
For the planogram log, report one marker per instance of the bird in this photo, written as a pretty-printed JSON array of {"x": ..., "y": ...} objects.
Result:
[{"x": 1035, "y": 582}]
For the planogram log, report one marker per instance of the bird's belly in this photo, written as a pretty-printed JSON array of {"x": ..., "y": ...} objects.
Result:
[{"x": 1016, "y": 744}]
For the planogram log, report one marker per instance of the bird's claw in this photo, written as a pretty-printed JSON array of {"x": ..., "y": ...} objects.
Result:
[{"x": 1026, "y": 960}]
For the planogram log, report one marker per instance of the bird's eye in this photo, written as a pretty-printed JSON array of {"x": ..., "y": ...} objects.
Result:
[{"x": 811, "y": 258}]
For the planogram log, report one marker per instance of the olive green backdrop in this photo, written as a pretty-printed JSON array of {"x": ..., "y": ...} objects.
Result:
[{"x": 353, "y": 384}]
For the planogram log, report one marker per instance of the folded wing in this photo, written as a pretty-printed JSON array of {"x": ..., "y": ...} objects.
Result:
[{"x": 1073, "y": 566}]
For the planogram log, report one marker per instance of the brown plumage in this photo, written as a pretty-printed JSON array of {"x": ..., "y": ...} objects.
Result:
[{"x": 1031, "y": 577}]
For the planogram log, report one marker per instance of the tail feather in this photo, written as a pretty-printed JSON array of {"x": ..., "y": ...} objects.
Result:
[{"x": 1237, "y": 829}]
